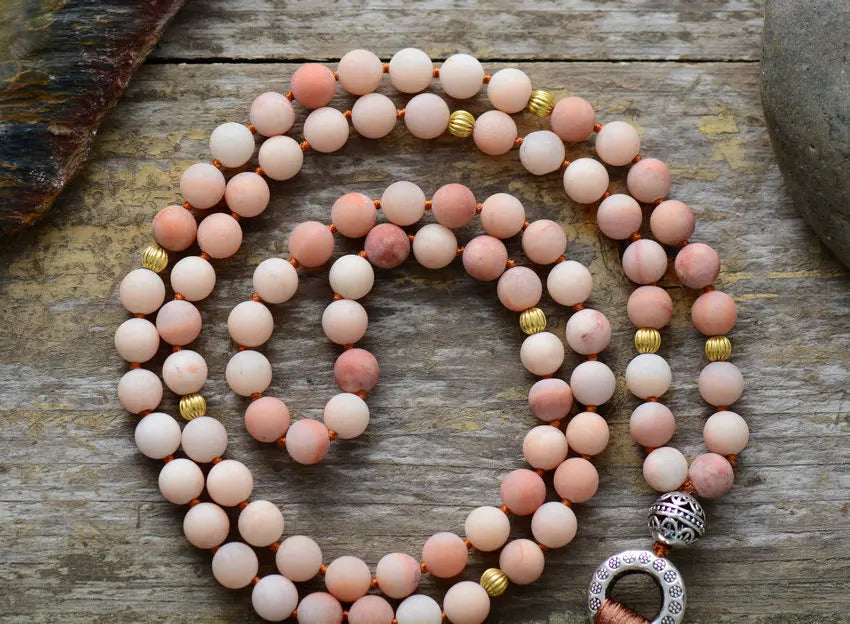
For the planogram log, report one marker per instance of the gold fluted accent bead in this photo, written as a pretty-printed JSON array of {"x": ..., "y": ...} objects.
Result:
[
  {"x": 154, "y": 258},
  {"x": 192, "y": 406},
  {"x": 718, "y": 348},
  {"x": 461, "y": 123},
  {"x": 494, "y": 581},
  {"x": 647, "y": 340},
  {"x": 532, "y": 321},
  {"x": 541, "y": 103}
]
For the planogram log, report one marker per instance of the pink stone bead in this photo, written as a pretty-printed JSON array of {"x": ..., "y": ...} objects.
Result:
[
  {"x": 487, "y": 528},
  {"x": 403, "y": 203},
  {"x": 271, "y": 114},
  {"x": 275, "y": 280},
  {"x": 714, "y": 313},
  {"x": 326, "y": 130},
  {"x": 419, "y": 609},
  {"x": 726, "y": 433},
  {"x": 247, "y": 194},
  {"x": 519, "y": 288},
  {"x": 313, "y": 85},
  {"x": 523, "y": 491},
  {"x": 648, "y": 375},
  {"x": 461, "y": 76},
  {"x": 649, "y": 180},
  {"x": 267, "y": 419},
  {"x": 592, "y": 383},
  {"x": 542, "y": 353},
  {"x": 550, "y": 399},
  {"x": 370, "y": 610},
  {"x": 434, "y": 246},
  {"x": 588, "y": 331},
  {"x": 373, "y": 116},
  {"x": 260, "y": 523},
  {"x": 353, "y": 214},
  {"x": 617, "y": 143},
  {"x": 387, "y": 246},
  {"x": 671, "y": 222},
  {"x": 697, "y": 265},
  {"x": 569, "y": 283},
  {"x": 644, "y": 261},
  {"x": 576, "y": 480},
  {"x": 298, "y": 558},
  {"x": 411, "y": 70},
  {"x": 466, "y": 603},
  {"x": 572, "y": 119},
  {"x": 250, "y": 324},
  {"x": 426, "y": 116},
  {"x": 711, "y": 475},
  {"x": 157, "y": 435},
  {"x": 174, "y": 228},
  {"x": 619, "y": 216},
  {"x": 234, "y": 565},
  {"x": 665, "y": 469},
  {"x": 445, "y": 555},
  {"x": 509, "y": 90},
  {"x": 360, "y": 72},
  {"x": 522, "y": 561},
  {"x": 544, "y": 447},
  {"x": 231, "y": 144},
  {"x": 542, "y": 152},
  {"x": 274, "y": 598},
  {"x": 346, "y": 414},
  {"x": 345, "y": 321},
  {"x": 280, "y": 157},
  {"x": 229, "y": 482},
  {"x": 502, "y": 215},
  {"x": 202, "y": 185},
  {"x": 319, "y": 608},
  {"x": 652, "y": 424},
  {"x": 585, "y": 180},
  {"x": 720, "y": 383},
  {"x": 307, "y": 441},
  {"x": 453, "y": 205},
  {"x": 248, "y": 372},
  {"x": 136, "y": 340},
  {"x": 484, "y": 258},
  {"x": 141, "y": 291},
  {"x": 544, "y": 241},
  {"x": 184, "y": 372},
  {"x": 181, "y": 480},
  {"x": 204, "y": 438},
  {"x": 351, "y": 276},
  {"x": 206, "y": 525},
  {"x": 494, "y": 133},
  {"x": 554, "y": 525},
  {"x": 587, "y": 433},
  {"x": 348, "y": 578},
  {"x": 139, "y": 390},
  {"x": 311, "y": 244},
  {"x": 356, "y": 370},
  {"x": 398, "y": 575},
  {"x": 219, "y": 235},
  {"x": 193, "y": 277},
  {"x": 649, "y": 306}
]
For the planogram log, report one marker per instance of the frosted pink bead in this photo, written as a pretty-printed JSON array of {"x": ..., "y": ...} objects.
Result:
[
  {"x": 298, "y": 558},
  {"x": 671, "y": 222},
  {"x": 326, "y": 130},
  {"x": 711, "y": 475},
  {"x": 585, "y": 180},
  {"x": 247, "y": 194},
  {"x": 193, "y": 277},
  {"x": 453, "y": 205},
  {"x": 697, "y": 265},
  {"x": 204, "y": 438},
  {"x": 319, "y": 608},
  {"x": 544, "y": 241},
  {"x": 714, "y": 313},
  {"x": 139, "y": 390},
  {"x": 721, "y": 383},
  {"x": 426, "y": 116},
  {"x": 373, "y": 115},
  {"x": 248, "y": 372},
  {"x": 311, "y": 243},
  {"x": 569, "y": 283},
  {"x": 665, "y": 469},
  {"x": 519, "y": 288},
  {"x": 587, "y": 433},
  {"x": 136, "y": 340},
  {"x": 726, "y": 433},
  {"x": 542, "y": 353},
  {"x": 267, "y": 419},
  {"x": 307, "y": 441},
  {"x": 544, "y": 447},
  {"x": 346, "y": 414},
  {"x": 280, "y": 157},
  {"x": 398, "y": 575},
  {"x": 445, "y": 554},
  {"x": 202, "y": 185},
  {"x": 648, "y": 375},
  {"x": 351, "y": 276},
  {"x": 157, "y": 435},
  {"x": 649, "y": 180},
  {"x": 250, "y": 324},
  {"x": 219, "y": 235},
  {"x": 619, "y": 216},
  {"x": 206, "y": 525},
  {"x": 487, "y": 528},
  {"x": 174, "y": 228},
  {"x": 522, "y": 561},
  {"x": 229, "y": 482},
  {"x": 419, "y": 609},
  {"x": 466, "y": 602},
  {"x": 232, "y": 144},
  {"x": 234, "y": 565},
  {"x": 353, "y": 214},
  {"x": 370, "y": 610},
  {"x": 260, "y": 523},
  {"x": 617, "y": 143},
  {"x": 274, "y": 598},
  {"x": 348, "y": 578},
  {"x": 652, "y": 424},
  {"x": 360, "y": 71},
  {"x": 576, "y": 480},
  {"x": 522, "y": 491},
  {"x": 271, "y": 114},
  {"x": 313, "y": 85},
  {"x": 411, "y": 70},
  {"x": 502, "y": 215},
  {"x": 542, "y": 152},
  {"x": 550, "y": 399},
  {"x": 181, "y": 480},
  {"x": 403, "y": 203},
  {"x": 554, "y": 525},
  {"x": 184, "y": 372},
  {"x": 588, "y": 331},
  {"x": 461, "y": 76},
  {"x": 572, "y": 119},
  {"x": 494, "y": 133},
  {"x": 434, "y": 246},
  {"x": 275, "y": 280},
  {"x": 355, "y": 370},
  {"x": 509, "y": 90},
  {"x": 644, "y": 261},
  {"x": 484, "y": 258},
  {"x": 345, "y": 321},
  {"x": 650, "y": 306},
  {"x": 387, "y": 246},
  {"x": 592, "y": 383},
  {"x": 141, "y": 291}
]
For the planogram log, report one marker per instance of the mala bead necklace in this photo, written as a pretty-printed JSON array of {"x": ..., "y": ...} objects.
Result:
[{"x": 675, "y": 519}]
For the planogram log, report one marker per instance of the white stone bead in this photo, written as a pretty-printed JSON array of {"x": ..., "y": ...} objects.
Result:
[
  {"x": 434, "y": 246},
  {"x": 373, "y": 115},
  {"x": 502, "y": 215},
  {"x": 487, "y": 528},
  {"x": 411, "y": 70},
  {"x": 271, "y": 113},
  {"x": 260, "y": 523},
  {"x": 137, "y": 340},
  {"x": 250, "y": 324},
  {"x": 275, "y": 280},
  {"x": 554, "y": 524},
  {"x": 542, "y": 152},
  {"x": 726, "y": 433},
  {"x": 347, "y": 414},
  {"x": 204, "y": 438},
  {"x": 665, "y": 469},
  {"x": 326, "y": 130},
  {"x": 184, "y": 372},
  {"x": 232, "y": 144},
  {"x": 617, "y": 143},
  {"x": 193, "y": 277},
  {"x": 426, "y": 116},
  {"x": 544, "y": 447},
  {"x": 419, "y": 609},
  {"x": 141, "y": 291},
  {"x": 648, "y": 375},
  {"x": 542, "y": 353},
  {"x": 274, "y": 598},
  {"x": 206, "y": 525},
  {"x": 298, "y": 558},
  {"x": 403, "y": 203},
  {"x": 360, "y": 72},
  {"x": 138, "y": 390},
  {"x": 592, "y": 383},
  {"x": 351, "y": 276},
  {"x": 280, "y": 157},
  {"x": 466, "y": 602},
  {"x": 345, "y": 322},
  {"x": 509, "y": 90},
  {"x": 157, "y": 435},
  {"x": 248, "y": 372},
  {"x": 234, "y": 565},
  {"x": 229, "y": 482},
  {"x": 585, "y": 180},
  {"x": 180, "y": 481},
  {"x": 569, "y": 283},
  {"x": 461, "y": 76}
]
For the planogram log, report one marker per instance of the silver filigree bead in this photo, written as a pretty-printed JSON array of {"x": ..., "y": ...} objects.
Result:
[{"x": 676, "y": 519}]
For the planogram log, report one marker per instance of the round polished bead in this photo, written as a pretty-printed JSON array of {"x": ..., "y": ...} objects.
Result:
[
  {"x": 523, "y": 491},
  {"x": 718, "y": 348},
  {"x": 522, "y": 561},
  {"x": 644, "y": 261},
  {"x": 554, "y": 525},
  {"x": 174, "y": 228},
  {"x": 649, "y": 306},
  {"x": 202, "y": 185},
  {"x": 348, "y": 578},
  {"x": 180, "y": 481},
  {"x": 503, "y": 215},
  {"x": 157, "y": 435},
  {"x": 726, "y": 433},
  {"x": 426, "y": 116},
  {"x": 619, "y": 216},
  {"x": 320, "y": 608},
  {"x": 671, "y": 222},
  {"x": 720, "y": 383},
  {"x": 714, "y": 313},
  {"x": 192, "y": 406},
  {"x": 519, "y": 288},
  {"x": 250, "y": 324},
  {"x": 587, "y": 433},
  {"x": 154, "y": 257},
  {"x": 544, "y": 241},
  {"x": 466, "y": 603},
  {"x": 487, "y": 528},
  {"x": 648, "y": 375},
  {"x": 370, "y": 609},
  {"x": 541, "y": 103},
  {"x": 345, "y": 321},
  {"x": 136, "y": 340},
  {"x": 313, "y": 85},
  {"x": 346, "y": 414},
  {"x": 576, "y": 480},
  {"x": 617, "y": 143},
  {"x": 542, "y": 353},
  {"x": 484, "y": 258},
  {"x": 544, "y": 447},
  {"x": 550, "y": 399},
  {"x": 139, "y": 390},
  {"x": 271, "y": 114},
  {"x": 232, "y": 144},
  {"x": 356, "y": 370},
  {"x": 585, "y": 180},
  {"x": 141, "y": 291},
  {"x": 665, "y": 469},
  {"x": 532, "y": 321},
  {"x": 434, "y": 246},
  {"x": 445, "y": 555},
  {"x": 542, "y": 152},
  {"x": 326, "y": 130},
  {"x": 387, "y": 246},
  {"x": 403, "y": 203},
  {"x": 647, "y": 340},
  {"x": 298, "y": 558},
  {"x": 247, "y": 194},
  {"x": 204, "y": 438},
  {"x": 206, "y": 525},
  {"x": 711, "y": 475},
  {"x": 274, "y": 598},
  {"x": 219, "y": 235},
  {"x": 697, "y": 265},
  {"x": 353, "y": 214},
  {"x": 193, "y": 277},
  {"x": 592, "y": 383},
  {"x": 311, "y": 244},
  {"x": 572, "y": 119},
  {"x": 307, "y": 441},
  {"x": 411, "y": 70},
  {"x": 184, "y": 372},
  {"x": 588, "y": 331},
  {"x": 649, "y": 180},
  {"x": 461, "y": 76},
  {"x": 453, "y": 205},
  {"x": 509, "y": 90},
  {"x": 229, "y": 482},
  {"x": 234, "y": 565},
  {"x": 652, "y": 424},
  {"x": 248, "y": 372},
  {"x": 374, "y": 115},
  {"x": 275, "y": 280},
  {"x": 398, "y": 575},
  {"x": 351, "y": 276},
  {"x": 267, "y": 419},
  {"x": 360, "y": 72},
  {"x": 569, "y": 283},
  {"x": 419, "y": 609},
  {"x": 461, "y": 123},
  {"x": 260, "y": 523},
  {"x": 280, "y": 157},
  {"x": 494, "y": 133}
]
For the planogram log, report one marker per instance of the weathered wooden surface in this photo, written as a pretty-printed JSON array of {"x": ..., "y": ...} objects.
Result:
[{"x": 86, "y": 536}]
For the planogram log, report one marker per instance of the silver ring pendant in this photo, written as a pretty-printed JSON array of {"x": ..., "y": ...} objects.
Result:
[{"x": 663, "y": 572}]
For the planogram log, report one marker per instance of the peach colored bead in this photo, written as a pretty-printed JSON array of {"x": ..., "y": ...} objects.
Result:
[
  {"x": 248, "y": 372},
  {"x": 592, "y": 383},
  {"x": 720, "y": 383},
  {"x": 519, "y": 288},
  {"x": 136, "y": 340},
  {"x": 648, "y": 375},
  {"x": 588, "y": 331},
  {"x": 271, "y": 114},
  {"x": 522, "y": 561},
  {"x": 356, "y": 370},
  {"x": 232, "y": 144},
  {"x": 576, "y": 480},
  {"x": 204, "y": 438},
  {"x": 267, "y": 419},
  {"x": 671, "y": 222},
  {"x": 487, "y": 528},
  {"x": 181, "y": 480},
  {"x": 274, "y": 598},
  {"x": 178, "y": 322},
  {"x": 206, "y": 525},
  {"x": 665, "y": 469},
  {"x": 445, "y": 554},
  {"x": 174, "y": 228},
  {"x": 502, "y": 215},
  {"x": 419, "y": 609},
  {"x": 360, "y": 72},
  {"x": 726, "y": 433},
  {"x": 307, "y": 441},
  {"x": 326, "y": 130},
  {"x": 569, "y": 283},
  {"x": 544, "y": 241},
  {"x": 466, "y": 602},
  {"x": 619, "y": 216},
  {"x": 509, "y": 90},
  {"x": 411, "y": 70},
  {"x": 649, "y": 306},
  {"x": 494, "y": 133},
  {"x": 652, "y": 424},
  {"x": 311, "y": 244},
  {"x": 219, "y": 235},
  {"x": 298, "y": 558},
  {"x": 572, "y": 119},
  {"x": 141, "y": 291},
  {"x": 550, "y": 399},
  {"x": 544, "y": 447},
  {"x": 554, "y": 525},
  {"x": 351, "y": 276},
  {"x": 275, "y": 280},
  {"x": 484, "y": 258},
  {"x": 426, "y": 116},
  {"x": 587, "y": 433},
  {"x": 202, "y": 185},
  {"x": 247, "y": 194},
  {"x": 542, "y": 152},
  {"x": 522, "y": 491},
  {"x": 313, "y": 85},
  {"x": 617, "y": 143},
  {"x": 250, "y": 324},
  {"x": 697, "y": 265},
  {"x": 585, "y": 180},
  {"x": 644, "y": 261},
  {"x": 434, "y": 246},
  {"x": 453, "y": 205},
  {"x": 403, "y": 203},
  {"x": 319, "y": 608},
  {"x": 714, "y": 313},
  {"x": 229, "y": 482},
  {"x": 281, "y": 157},
  {"x": 461, "y": 76},
  {"x": 157, "y": 435},
  {"x": 711, "y": 475},
  {"x": 347, "y": 414},
  {"x": 542, "y": 353},
  {"x": 348, "y": 578},
  {"x": 260, "y": 523},
  {"x": 353, "y": 214},
  {"x": 193, "y": 277},
  {"x": 649, "y": 180},
  {"x": 373, "y": 116},
  {"x": 370, "y": 610},
  {"x": 344, "y": 321},
  {"x": 387, "y": 246},
  {"x": 398, "y": 575},
  {"x": 184, "y": 372}
]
